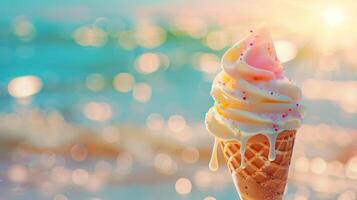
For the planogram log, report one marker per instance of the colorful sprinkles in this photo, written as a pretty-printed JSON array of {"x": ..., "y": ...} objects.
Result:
[{"x": 275, "y": 127}]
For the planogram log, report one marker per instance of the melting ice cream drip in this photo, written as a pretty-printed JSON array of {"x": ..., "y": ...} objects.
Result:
[
  {"x": 213, "y": 164},
  {"x": 272, "y": 141},
  {"x": 243, "y": 146}
]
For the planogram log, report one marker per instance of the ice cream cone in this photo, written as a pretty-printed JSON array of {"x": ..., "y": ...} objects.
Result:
[{"x": 261, "y": 179}]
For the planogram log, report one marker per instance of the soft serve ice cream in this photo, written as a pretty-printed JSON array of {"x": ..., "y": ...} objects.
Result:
[{"x": 252, "y": 96}]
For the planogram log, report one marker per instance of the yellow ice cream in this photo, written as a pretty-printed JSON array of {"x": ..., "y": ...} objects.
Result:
[{"x": 251, "y": 94}]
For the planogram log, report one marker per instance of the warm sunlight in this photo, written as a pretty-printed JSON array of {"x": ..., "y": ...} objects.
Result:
[{"x": 333, "y": 16}]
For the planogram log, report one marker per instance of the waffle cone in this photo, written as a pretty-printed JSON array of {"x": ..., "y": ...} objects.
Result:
[{"x": 261, "y": 179}]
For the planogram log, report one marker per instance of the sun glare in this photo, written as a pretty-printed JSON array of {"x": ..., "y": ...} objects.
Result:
[{"x": 333, "y": 17}]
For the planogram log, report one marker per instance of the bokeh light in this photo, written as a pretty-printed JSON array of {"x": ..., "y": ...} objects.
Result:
[
  {"x": 194, "y": 27},
  {"x": 184, "y": 135},
  {"x": 183, "y": 186},
  {"x": 142, "y": 92},
  {"x": 90, "y": 36},
  {"x": 95, "y": 82},
  {"x": 97, "y": 111},
  {"x": 80, "y": 176},
  {"x": 148, "y": 63},
  {"x": 207, "y": 62},
  {"x": 24, "y": 86},
  {"x": 150, "y": 36},
  {"x": 23, "y": 28},
  {"x": 60, "y": 175},
  {"x": 155, "y": 122},
  {"x": 18, "y": 173},
  {"x": 351, "y": 168},
  {"x": 79, "y": 152},
  {"x": 176, "y": 123},
  {"x": 217, "y": 40},
  {"x": 123, "y": 82},
  {"x": 209, "y": 198},
  {"x": 165, "y": 164},
  {"x": 318, "y": 165},
  {"x": 190, "y": 155}
]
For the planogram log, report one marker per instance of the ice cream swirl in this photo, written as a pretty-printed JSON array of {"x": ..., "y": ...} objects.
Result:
[{"x": 251, "y": 94}]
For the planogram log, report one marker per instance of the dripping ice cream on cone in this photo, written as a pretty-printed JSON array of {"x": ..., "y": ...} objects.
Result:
[{"x": 254, "y": 119}]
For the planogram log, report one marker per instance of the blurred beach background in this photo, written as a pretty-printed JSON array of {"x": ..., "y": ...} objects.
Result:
[{"x": 105, "y": 100}]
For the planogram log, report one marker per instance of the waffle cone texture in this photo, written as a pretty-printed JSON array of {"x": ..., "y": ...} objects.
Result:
[{"x": 261, "y": 179}]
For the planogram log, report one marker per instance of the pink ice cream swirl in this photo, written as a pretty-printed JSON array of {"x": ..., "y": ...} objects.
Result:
[{"x": 251, "y": 93}]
